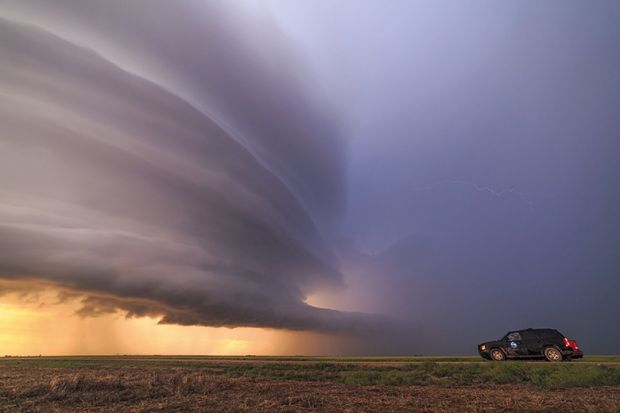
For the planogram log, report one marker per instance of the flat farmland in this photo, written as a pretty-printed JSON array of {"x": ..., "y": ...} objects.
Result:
[{"x": 299, "y": 384}]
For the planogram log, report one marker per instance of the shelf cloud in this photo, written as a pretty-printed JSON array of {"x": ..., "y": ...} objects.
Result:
[
  {"x": 395, "y": 170},
  {"x": 118, "y": 185}
]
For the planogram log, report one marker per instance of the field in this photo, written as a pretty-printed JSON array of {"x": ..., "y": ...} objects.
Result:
[{"x": 294, "y": 384}]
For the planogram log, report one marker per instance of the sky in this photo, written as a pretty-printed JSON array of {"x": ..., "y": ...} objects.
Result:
[{"x": 308, "y": 177}]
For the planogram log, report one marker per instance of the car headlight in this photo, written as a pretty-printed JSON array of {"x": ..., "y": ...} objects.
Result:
[{"x": 483, "y": 347}]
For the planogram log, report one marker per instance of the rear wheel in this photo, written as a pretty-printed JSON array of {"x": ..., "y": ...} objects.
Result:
[
  {"x": 553, "y": 354},
  {"x": 497, "y": 355}
]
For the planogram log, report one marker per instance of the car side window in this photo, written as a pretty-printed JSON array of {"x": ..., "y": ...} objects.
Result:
[
  {"x": 529, "y": 335},
  {"x": 514, "y": 336}
]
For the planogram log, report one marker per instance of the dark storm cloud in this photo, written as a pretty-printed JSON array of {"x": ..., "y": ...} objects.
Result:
[
  {"x": 115, "y": 186},
  {"x": 482, "y": 172},
  {"x": 234, "y": 66},
  {"x": 483, "y": 182},
  {"x": 180, "y": 159}
]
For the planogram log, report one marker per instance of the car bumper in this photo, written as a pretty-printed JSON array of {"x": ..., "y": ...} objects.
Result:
[
  {"x": 484, "y": 354},
  {"x": 575, "y": 354}
]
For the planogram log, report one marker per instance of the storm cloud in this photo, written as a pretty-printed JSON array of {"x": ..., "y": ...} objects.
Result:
[
  {"x": 117, "y": 186},
  {"x": 310, "y": 165},
  {"x": 482, "y": 177}
]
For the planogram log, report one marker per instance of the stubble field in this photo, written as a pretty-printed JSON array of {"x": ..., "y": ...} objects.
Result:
[{"x": 296, "y": 384}]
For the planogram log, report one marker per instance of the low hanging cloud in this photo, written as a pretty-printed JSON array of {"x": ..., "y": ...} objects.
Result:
[{"x": 122, "y": 188}]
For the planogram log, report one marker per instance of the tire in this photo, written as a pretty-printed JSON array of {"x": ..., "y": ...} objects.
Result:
[
  {"x": 497, "y": 354},
  {"x": 553, "y": 354}
]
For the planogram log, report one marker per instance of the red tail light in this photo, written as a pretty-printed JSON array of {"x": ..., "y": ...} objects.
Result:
[{"x": 570, "y": 344}]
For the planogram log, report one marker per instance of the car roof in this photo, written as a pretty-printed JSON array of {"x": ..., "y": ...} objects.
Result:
[{"x": 540, "y": 330}]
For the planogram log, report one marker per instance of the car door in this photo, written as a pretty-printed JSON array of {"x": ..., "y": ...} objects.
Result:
[
  {"x": 531, "y": 343},
  {"x": 514, "y": 344}
]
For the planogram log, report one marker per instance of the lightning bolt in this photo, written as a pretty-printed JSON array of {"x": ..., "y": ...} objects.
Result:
[{"x": 479, "y": 188}]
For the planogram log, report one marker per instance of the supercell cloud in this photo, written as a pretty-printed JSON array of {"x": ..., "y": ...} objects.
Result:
[
  {"x": 156, "y": 161},
  {"x": 230, "y": 163}
]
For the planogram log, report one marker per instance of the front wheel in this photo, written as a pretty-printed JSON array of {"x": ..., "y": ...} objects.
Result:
[
  {"x": 497, "y": 355},
  {"x": 553, "y": 354}
]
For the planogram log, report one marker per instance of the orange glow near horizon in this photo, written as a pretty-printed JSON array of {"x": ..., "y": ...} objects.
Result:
[{"x": 38, "y": 324}]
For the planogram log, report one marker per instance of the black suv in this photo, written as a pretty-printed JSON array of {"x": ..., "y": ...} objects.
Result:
[{"x": 531, "y": 343}]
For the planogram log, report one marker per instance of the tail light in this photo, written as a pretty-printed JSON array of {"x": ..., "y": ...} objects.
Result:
[{"x": 570, "y": 344}]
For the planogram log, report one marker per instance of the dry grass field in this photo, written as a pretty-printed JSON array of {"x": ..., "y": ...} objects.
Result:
[{"x": 248, "y": 384}]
